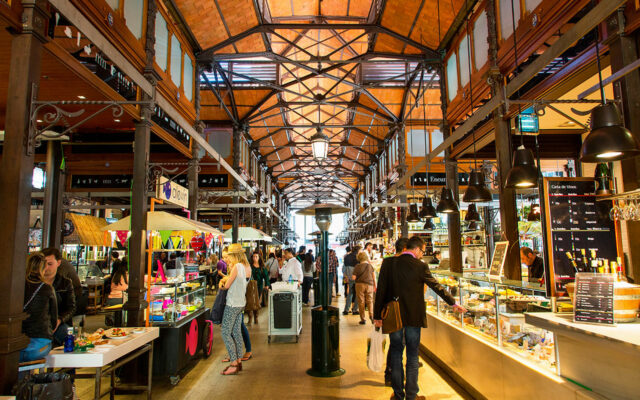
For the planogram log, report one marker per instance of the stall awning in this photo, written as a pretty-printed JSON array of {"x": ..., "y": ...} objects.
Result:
[
  {"x": 86, "y": 230},
  {"x": 164, "y": 221},
  {"x": 246, "y": 234}
]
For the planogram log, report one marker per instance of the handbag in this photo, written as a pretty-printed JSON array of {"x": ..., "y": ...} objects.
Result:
[
  {"x": 217, "y": 310},
  {"x": 49, "y": 386},
  {"x": 391, "y": 318},
  {"x": 252, "y": 296}
]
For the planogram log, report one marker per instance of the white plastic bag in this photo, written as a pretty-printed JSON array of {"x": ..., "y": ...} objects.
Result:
[{"x": 375, "y": 350}]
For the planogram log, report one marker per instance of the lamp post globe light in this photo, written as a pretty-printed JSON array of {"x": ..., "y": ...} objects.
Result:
[
  {"x": 319, "y": 144},
  {"x": 325, "y": 325}
]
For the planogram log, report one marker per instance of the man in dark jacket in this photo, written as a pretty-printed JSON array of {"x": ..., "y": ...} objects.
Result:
[
  {"x": 404, "y": 278},
  {"x": 350, "y": 262},
  {"x": 65, "y": 295}
]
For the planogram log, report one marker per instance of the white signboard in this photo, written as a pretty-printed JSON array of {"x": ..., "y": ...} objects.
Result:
[{"x": 172, "y": 192}]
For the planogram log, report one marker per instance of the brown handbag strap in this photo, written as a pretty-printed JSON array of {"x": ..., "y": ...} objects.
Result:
[{"x": 394, "y": 279}]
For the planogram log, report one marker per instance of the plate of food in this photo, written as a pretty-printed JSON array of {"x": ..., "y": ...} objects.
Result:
[{"x": 116, "y": 333}]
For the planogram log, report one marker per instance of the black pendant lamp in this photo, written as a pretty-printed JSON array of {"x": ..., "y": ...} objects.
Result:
[
  {"x": 523, "y": 174},
  {"x": 429, "y": 225},
  {"x": 476, "y": 192},
  {"x": 608, "y": 140},
  {"x": 428, "y": 210},
  {"x": 472, "y": 213},
  {"x": 413, "y": 213},
  {"x": 447, "y": 204}
]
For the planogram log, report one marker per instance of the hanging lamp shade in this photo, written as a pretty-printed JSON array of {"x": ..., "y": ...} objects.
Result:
[
  {"x": 472, "y": 213},
  {"x": 413, "y": 213},
  {"x": 608, "y": 140},
  {"x": 428, "y": 210},
  {"x": 477, "y": 191},
  {"x": 447, "y": 204},
  {"x": 534, "y": 213},
  {"x": 523, "y": 173},
  {"x": 429, "y": 225},
  {"x": 319, "y": 144}
]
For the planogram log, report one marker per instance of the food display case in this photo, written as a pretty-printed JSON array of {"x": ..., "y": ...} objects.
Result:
[
  {"x": 496, "y": 314},
  {"x": 178, "y": 308}
]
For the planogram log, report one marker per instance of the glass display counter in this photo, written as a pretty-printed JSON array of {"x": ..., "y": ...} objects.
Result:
[
  {"x": 496, "y": 314},
  {"x": 175, "y": 300}
]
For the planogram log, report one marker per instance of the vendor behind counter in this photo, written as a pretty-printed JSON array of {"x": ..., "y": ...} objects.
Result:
[{"x": 533, "y": 262}]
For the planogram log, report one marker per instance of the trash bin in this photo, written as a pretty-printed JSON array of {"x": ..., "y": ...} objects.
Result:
[{"x": 325, "y": 342}]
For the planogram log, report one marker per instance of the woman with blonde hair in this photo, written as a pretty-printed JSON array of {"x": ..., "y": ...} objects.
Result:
[
  {"x": 365, "y": 278},
  {"x": 41, "y": 306},
  {"x": 236, "y": 284}
]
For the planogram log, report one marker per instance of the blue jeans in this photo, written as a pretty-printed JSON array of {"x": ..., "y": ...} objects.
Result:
[
  {"x": 36, "y": 349},
  {"x": 245, "y": 337},
  {"x": 409, "y": 336},
  {"x": 351, "y": 300}
]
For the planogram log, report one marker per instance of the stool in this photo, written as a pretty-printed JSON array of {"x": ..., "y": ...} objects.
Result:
[{"x": 26, "y": 366}]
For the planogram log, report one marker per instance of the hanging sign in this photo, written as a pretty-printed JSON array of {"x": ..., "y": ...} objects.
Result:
[
  {"x": 172, "y": 192},
  {"x": 196, "y": 243},
  {"x": 122, "y": 237}
]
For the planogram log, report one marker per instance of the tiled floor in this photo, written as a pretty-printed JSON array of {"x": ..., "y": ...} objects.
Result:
[{"x": 277, "y": 370}]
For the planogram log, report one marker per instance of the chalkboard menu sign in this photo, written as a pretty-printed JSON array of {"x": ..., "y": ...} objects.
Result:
[
  {"x": 594, "y": 298},
  {"x": 497, "y": 262},
  {"x": 578, "y": 227},
  {"x": 205, "y": 181}
]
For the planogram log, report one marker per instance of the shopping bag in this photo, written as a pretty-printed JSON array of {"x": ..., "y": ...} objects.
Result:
[
  {"x": 49, "y": 386},
  {"x": 217, "y": 310},
  {"x": 375, "y": 350}
]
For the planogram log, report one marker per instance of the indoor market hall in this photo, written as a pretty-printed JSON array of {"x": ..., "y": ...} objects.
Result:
[{"x": 320, "y": 199}]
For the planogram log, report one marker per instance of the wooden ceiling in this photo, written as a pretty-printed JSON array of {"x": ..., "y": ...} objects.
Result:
[{"x": 335, "y": 69}]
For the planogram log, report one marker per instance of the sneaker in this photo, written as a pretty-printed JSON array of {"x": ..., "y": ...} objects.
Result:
[
  {"x": 362, "y": 322},
  {"x": 345, "y": 313},
  {"x": 355, "y": 313}
]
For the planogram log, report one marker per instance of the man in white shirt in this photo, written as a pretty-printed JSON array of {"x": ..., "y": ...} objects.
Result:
[{"x": 291, "y": 267}]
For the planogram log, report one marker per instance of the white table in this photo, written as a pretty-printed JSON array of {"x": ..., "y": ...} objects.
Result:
[{"x": 124, "y": 350}]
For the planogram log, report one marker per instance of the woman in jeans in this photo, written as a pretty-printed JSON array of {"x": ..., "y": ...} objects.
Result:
[
  {"x": 236, "y": 285},
  {"x": 307, "y": 280},
  {"x": 365, "y": 279},
  {"x": 41, "y": 306}
]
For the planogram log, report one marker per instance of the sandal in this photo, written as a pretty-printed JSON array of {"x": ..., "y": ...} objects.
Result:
[
  {"x": 226, "y": 360},
  {"x": 246, "y": 358},
  {"x": 226, "y": 370}
]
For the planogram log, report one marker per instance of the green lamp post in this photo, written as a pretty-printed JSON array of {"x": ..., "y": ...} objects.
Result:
[{"x": 325, "y": 319}]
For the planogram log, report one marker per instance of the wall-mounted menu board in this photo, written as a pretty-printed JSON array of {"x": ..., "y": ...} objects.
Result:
[{"x": 575, "y": 222}]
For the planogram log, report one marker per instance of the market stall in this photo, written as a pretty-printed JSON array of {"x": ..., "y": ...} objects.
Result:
[
  {"x": 177, "y": 297},
  {"x": 85, "y": 242}
]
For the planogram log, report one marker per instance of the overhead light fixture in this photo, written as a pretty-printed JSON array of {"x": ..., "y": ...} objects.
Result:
[
  {"x": 428, "y": 210},
  {"x": 523, "y": 173},
  {"x": 429, "y": 225},
  {"x": 608, "y": 140},
  {"x": 472, "y": 213},
  {"x": 603, "y": 176},
  {"x": 413, "y": 213},
  {"x": 447, "y": 204},
  {"x": 319, "y": 144},
  {"x": 81, "y": 97},
  {"x": 116, "y": 120},
  {"x": 534, "y": 213},
  {"x": 477, "y": 191}
]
